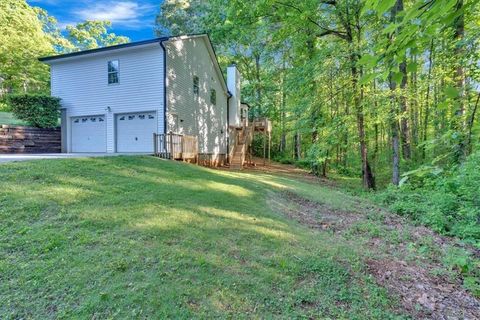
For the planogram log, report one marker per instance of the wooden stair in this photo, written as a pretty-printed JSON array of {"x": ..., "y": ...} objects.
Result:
[
  {"x": 240, "y": 149},
  {"x": 236, "y": 163}
]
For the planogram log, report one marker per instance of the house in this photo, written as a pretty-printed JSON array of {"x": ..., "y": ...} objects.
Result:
[{"x": 114, "y": 98}]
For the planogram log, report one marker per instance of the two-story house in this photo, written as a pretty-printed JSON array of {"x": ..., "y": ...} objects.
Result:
[{"x": 114, "y": 98}]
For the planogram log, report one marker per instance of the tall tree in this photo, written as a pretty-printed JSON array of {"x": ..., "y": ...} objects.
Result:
[
  {"x": 93, "y": 34},
  {"x": 22, "y": 41}
]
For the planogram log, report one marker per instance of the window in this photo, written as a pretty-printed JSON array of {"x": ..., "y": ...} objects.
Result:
[
  {"x": 113, "y": 69},
  {"x": 196, "y": 85},
  {"x": 213, "y": 97}
]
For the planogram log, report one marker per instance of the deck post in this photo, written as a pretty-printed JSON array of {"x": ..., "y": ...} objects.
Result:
[
  {"x": 264, "y": 146},
  {"x": 155, "y": 144},
  {"x": 171, "y": 145},
  {"x": 183, "y": 147},
  {"x": 269, "y": 146}
]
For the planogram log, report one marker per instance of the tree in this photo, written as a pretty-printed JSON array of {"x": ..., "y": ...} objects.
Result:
[
  {"x": 22, "y": 41},
  {"x": 93, "y": 34}
]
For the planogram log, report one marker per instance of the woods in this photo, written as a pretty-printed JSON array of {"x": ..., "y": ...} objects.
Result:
[
  {"x": 375, "y": 88},
  {"x": 384, "y": 91}
]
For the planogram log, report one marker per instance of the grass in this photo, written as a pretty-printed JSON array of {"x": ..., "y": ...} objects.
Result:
[
  {"x": 138, "y": 237},
  {"x": 8, "y": 119}
]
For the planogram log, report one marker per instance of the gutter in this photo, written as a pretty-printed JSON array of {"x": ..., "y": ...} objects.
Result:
[
  {"x": 229, "y": 96},
  {"x": 164, "y": 86}
]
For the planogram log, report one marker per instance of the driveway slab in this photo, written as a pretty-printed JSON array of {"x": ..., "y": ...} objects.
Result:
[{"x": 39, "y": 156}]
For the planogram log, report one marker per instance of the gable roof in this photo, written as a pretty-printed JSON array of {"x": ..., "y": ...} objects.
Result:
[{"x": 96, "y": 50}]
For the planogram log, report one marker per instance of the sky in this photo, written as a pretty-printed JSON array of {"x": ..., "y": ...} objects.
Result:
[{"x": 132, "y": 18}]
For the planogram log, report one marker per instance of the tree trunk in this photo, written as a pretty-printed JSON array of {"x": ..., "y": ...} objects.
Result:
[
  {"x": 395, "y": 138},
  {"x": 283, "y": 135},
  {"x": 394, "y": 111},
  {"x": 404, "y": 127},
  {"x": 427, "y": 99},
  {"x": 296, "y": 149},
  {"x": 470, "y": 125},
  {"x": 367, "y": 174},
  {"x": 459, "y": 125}
]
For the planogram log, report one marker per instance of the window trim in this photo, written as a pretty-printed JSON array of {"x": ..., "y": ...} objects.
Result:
[
  {"x": 112, "y": 72},
  {"x": 213, "y": 94},
  {"x": 197, "y": 86}
]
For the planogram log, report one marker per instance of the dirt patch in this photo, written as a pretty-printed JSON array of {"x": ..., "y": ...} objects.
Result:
[
  {"x": 311, "y": 213},
  {"x": 422, "y": 294}
]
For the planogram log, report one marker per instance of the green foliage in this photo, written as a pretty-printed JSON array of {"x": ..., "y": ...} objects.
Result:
[
  {"x": 463, "y": 262},
  {"x": 448, "y": 201},
  {"x": 22, "y": 41},
  {"x": 40, "y": 111},
  {"x": 93, "y": 34}
]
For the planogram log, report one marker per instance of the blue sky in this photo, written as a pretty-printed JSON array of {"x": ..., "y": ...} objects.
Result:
[{"x": 132, "y": 18}]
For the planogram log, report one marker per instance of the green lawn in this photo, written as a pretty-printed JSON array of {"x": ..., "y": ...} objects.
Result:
[
  {"x": 8, "y": 118},
  {"x": 138, "y": 237}
]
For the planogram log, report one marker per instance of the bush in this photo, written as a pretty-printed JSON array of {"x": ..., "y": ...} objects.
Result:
[
  {"x": 4, "y": 107},
  {"x": 40, "y": 111},
  {"x": 448, "y": 202}
]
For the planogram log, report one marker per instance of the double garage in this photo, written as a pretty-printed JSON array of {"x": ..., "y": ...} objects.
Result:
[{"x": 132, "y": 132}]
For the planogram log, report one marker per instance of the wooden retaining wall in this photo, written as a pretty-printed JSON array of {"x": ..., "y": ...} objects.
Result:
[{"x": 18, "y": 139}]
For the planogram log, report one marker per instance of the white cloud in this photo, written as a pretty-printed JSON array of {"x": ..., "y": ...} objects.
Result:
[{"x": 128, "y": 14}]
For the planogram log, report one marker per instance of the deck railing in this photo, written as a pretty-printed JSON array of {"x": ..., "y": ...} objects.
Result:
[{"x": 175, "y": 146}]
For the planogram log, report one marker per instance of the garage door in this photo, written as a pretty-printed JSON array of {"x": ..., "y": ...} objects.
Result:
[
  {"x": 135, "y": 131},
  {"x": 89, "y": 134}
]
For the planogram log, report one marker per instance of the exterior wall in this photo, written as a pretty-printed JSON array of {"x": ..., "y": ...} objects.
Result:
[
  {"x": 82, "y": 84},
  {"x": 193, "y": 114}
]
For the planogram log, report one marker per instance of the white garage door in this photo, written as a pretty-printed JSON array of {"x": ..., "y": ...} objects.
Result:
[
  {"x": 135, "y": 131},
  {"x": 89, "y": 134}
]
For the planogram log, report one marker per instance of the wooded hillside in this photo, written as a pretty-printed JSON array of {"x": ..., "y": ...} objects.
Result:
[{"x": 386, "y": 91}]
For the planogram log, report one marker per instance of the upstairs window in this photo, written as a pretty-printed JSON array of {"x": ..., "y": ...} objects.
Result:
[
  {"x": 213, "y": 97},
  {"x": 113, "y": 70},
  {"x": 196, "y": 85}
]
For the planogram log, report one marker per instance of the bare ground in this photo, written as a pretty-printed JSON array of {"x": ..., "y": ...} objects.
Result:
[{"x": 425, "y": 287}]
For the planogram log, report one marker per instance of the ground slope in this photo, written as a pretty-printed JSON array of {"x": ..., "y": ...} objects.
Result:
[{"x": 139, "y": 237}]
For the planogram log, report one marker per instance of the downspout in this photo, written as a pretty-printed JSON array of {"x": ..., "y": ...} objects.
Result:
[
  {"x": 164, "y": 87},
  {"x": 229, "y": 96}
]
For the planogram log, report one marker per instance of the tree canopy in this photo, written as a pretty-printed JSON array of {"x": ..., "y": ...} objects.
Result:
[
  {"x": 383, "y": 86},
  {"x": 29, "y": 33}
]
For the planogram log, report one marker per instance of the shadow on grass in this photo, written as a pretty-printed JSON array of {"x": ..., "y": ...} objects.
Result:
[{"x": 133, "y": 236}]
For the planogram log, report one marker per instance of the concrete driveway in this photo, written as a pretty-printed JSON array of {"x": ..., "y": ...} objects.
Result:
[{"x": 39, "y": 156}]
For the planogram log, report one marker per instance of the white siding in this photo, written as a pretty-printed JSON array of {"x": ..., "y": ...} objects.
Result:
[
  {"x": 82, "y": 85},
  {"x": 187, "y": 58}
]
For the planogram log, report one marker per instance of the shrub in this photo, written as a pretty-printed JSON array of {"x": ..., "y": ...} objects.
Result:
[
  {"x": 4, "y": 106},
  {"x": 448, "y": 202},
  {"x": 40, "y": 111}
]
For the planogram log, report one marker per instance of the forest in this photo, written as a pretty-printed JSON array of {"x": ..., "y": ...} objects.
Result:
[
  {"x": 384, "y": 92},
  {"x": 382, "y": 95}
]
